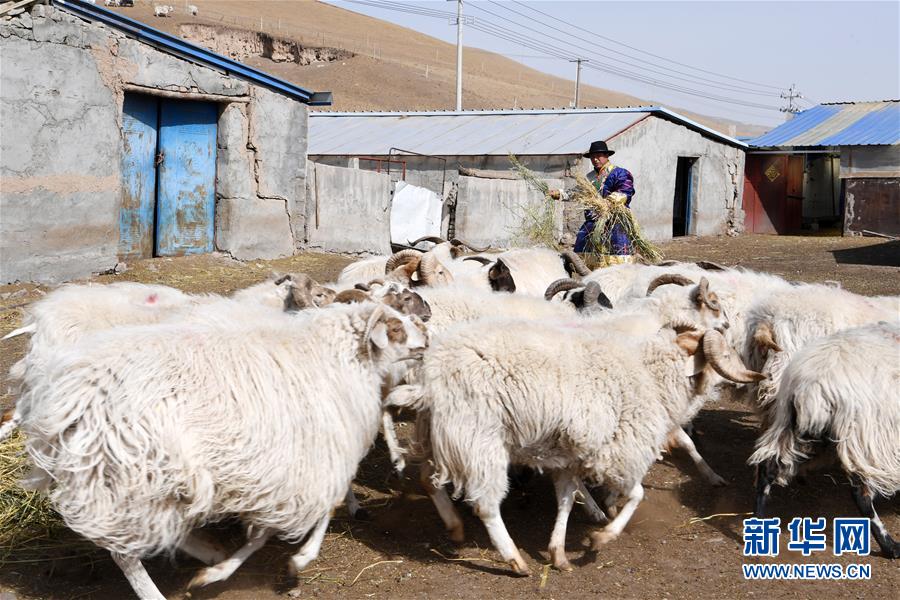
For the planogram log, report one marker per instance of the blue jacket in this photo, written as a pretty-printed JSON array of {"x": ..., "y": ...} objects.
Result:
[{"x": 618, "y": 180}]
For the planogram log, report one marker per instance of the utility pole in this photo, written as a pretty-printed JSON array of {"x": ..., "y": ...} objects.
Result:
[
  {"x": 790, "y": 95},
  {"x": 578, "y": 61},
  {"x": 459, "y": 48}
]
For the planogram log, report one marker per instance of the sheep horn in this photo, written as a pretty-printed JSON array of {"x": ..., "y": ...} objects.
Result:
[
  {"x": 765, "y": 337},
  {"x": 481, "y": 259},
  {"x": 459, "y": 242},
  {"x": 724, "y": 361},
  {"x": 362, "y": 286},
  {"x": 668, "y": 263},
  {"x": 401, "y": 257},
  {"x": 427, "y": 268},
  {"x": 704, "y": 296},
  {"x": 570, "y": 259},
  {"x": 593, "y": 295},
  {"x": 561, "y": 285},
  {"x": 667, "y": 279},
  {"x": 429, "y": 238},
  {"x": 376, "y": 281},
  {"x": 279, "y": 279},
  {"x": 710, "y": 266}
]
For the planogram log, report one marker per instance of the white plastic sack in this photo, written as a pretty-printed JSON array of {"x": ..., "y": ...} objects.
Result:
[{"x": 415, "y": 212}]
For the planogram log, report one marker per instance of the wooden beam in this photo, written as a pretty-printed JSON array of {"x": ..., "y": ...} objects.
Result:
[{"x": 11, "y": 7}]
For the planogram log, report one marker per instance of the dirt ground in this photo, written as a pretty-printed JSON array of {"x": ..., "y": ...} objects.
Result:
[{"x": 402, "y": 551}]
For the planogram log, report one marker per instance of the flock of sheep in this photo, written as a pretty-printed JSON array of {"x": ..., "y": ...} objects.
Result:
[{"x": 148, "y": 412}]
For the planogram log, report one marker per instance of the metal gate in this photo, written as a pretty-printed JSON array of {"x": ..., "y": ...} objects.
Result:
[{"x": 169, "y": 166}]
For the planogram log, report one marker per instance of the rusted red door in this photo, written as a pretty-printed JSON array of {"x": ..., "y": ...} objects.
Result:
[{"x": 765, "y": 192}]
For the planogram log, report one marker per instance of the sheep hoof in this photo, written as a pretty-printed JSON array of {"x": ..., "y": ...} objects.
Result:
[
  {"x": 519, "y": 567},
  {"x": 599, "y": 538},
  {"x": 207, "y": 576},
  {"x": 717, "y": 481},
  {"x": 893, "y": 551},
  {"x": 559, "y": 559}
]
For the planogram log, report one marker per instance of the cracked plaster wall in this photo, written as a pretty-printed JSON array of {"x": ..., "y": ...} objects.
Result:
[{"x": 63, "y": 84}]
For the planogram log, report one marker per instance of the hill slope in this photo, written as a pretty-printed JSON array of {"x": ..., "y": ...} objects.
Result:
[{"x": 390, "y": 68}]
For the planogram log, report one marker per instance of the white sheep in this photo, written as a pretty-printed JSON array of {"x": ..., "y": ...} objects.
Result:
[
  {"x": 163, "y": 10},
  {"x": 192, "y": 9},
  {"x": 148, "y": 432},
  {"x": 584, "y": 401},
  {"x": 839, "y": 393},
  {"x": 783, "y": 322}
]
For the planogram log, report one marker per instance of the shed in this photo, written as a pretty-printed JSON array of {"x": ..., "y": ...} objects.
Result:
[
  {"x": 835, "y": 165},
  {"x": 687, "y": 176},
  {"x": 121, "y": 141}
]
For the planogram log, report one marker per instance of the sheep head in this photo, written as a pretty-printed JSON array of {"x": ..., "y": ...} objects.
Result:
[
  {"x": 500, "y": 277},
  {"x": 390, "y": 336}
]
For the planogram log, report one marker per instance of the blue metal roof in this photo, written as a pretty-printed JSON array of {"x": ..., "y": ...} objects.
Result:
[
  {"x": 179, "y": 47},
  {"x": 475, "y": 133},
  {"x": 844, "y": 124}
]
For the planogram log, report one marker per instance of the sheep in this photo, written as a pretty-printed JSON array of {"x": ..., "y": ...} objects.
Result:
[
  {"x": 124, "y": 428},
  {"x": 163, "y": 10},
  {"x": 783, "y": 322},
  {"x": 839, "y": 392},
  {"x": 192, "y": 9},
  {"x": 588, "y": 401}
]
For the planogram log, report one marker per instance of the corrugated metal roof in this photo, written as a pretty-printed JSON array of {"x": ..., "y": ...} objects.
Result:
[
  {"x": 838, "y": 124},
  {"x": 473, "y": 133},
  {"x": 183, "y": 49}
]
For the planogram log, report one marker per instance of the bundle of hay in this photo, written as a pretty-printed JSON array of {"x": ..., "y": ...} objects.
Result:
[
  {"x": 611, "y": 211},
  {"x": 538, "y": 222},
  {"x": 25, "y": 516}
]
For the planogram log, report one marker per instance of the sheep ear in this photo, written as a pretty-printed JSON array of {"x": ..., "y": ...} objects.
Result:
[
  {"x": 379, "y": 335},
  {"x": 689, "y": 341}
]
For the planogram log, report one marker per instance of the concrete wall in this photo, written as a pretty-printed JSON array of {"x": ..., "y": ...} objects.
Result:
[
  {"x": 499, "y": 212},
  {"x": 63, "y": 84},
  {"x": 650, "y": 150},
  {"x": 348, "y": 210},
  {"x": 870, "y": 161}
]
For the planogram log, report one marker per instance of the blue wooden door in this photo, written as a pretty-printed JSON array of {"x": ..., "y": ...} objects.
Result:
[
  {"x": 186, "y": 202},
  {"x": 139, "y": 126}
]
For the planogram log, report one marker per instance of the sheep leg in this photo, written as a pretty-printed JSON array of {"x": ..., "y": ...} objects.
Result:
[
  {"x": 612, "y": 531},
  {"x": 310, "y": 549},
  {"x": 565, "y": 485},
  {"x": 390, "y": 438},
  {"x": 684, "y": 441},
  {"x": 137, "y": 576},
  {"x": 353, "y": 507},
  {"x": 609, "y": 503},
  {"x": 863, "y": 497},
  {"x": 489, "y": 513},
  {"x": 256, "y": 538},
  {"x": 766, "y": 473},
  {"x": 590, "y": 505},
  {"x": 443, "y": 504},
  {"x": 204, "y": 551}
]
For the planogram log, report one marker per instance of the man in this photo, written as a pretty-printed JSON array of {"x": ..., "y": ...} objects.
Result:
[{"x": 607, "y": 178}]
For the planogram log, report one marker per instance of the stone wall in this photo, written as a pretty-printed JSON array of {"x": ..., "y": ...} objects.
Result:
[
  {"x": 503, "y": 212},
  {"x": 61, "y": 94},
  {"x": 349, "y": 210}
]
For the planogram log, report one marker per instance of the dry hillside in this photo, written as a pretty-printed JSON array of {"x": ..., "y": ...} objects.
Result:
[{"x": 383, "y": 66}]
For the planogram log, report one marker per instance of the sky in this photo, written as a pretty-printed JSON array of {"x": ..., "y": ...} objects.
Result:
[{"x": 743, "y": 53}]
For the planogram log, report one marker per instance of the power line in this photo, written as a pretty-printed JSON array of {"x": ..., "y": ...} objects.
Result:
[
  {"x": 692, "y": 79},
  {"x": 505, "y": 33},
  {"x": 675, "y": 62}
]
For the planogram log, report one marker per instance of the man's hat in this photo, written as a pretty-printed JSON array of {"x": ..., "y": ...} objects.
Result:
[{"x": 597, "y": 147}]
